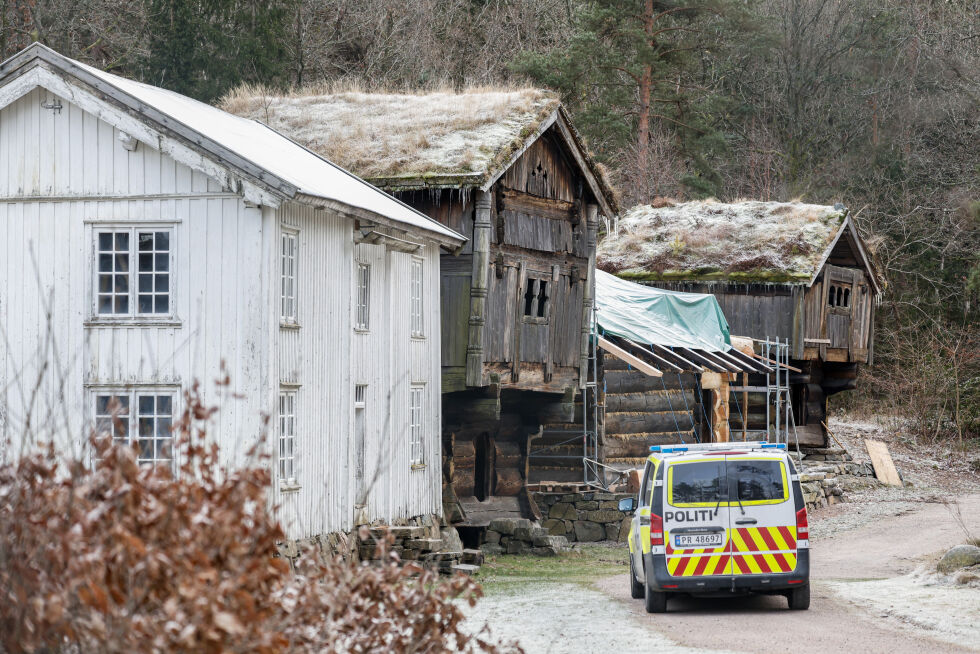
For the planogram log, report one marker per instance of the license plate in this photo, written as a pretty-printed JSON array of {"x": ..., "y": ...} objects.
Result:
[{"x": 699, "y": 540}]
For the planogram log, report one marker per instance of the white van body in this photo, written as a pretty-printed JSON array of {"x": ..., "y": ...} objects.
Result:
[{"x": 719, "y": 519}]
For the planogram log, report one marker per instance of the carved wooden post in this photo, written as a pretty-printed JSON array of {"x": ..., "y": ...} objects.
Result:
[
  {"x": 592, "y": 224},
  {"x": 478, "y": 289}
]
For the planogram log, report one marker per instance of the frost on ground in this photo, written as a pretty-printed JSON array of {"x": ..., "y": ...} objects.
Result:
[
  {"x": 924, "y": 601},
  {"x": 549, "y": 618}
]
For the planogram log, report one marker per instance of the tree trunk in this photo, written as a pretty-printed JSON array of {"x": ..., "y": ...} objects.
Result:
[{"x": 643, "y": 126}]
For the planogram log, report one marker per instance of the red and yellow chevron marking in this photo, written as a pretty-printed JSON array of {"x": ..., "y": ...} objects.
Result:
[
  {"x": 758, "y": 550},
  {"x": 698, "y": 562},
  {"x": 750, "y": 550}
]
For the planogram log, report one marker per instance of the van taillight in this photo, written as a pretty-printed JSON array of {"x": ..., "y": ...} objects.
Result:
[
  {"x": 802, "y": 525},
  {"x": 656, "y": 529}
]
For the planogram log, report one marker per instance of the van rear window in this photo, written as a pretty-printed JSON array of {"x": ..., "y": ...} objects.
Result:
[
  {"x": 755, "y": 481},
  {"x": 700, "y": 481}
]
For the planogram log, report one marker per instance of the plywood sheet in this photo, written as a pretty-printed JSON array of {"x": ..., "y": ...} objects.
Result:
[{"x": 882, "y": 461}]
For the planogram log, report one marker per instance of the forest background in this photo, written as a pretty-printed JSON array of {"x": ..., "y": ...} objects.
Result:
[{"x": 873, "y": 103}]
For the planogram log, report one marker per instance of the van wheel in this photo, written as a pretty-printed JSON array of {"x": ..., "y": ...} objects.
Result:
[
  {"x": 799, "y": 598},
  {"x": 636, "y": 588},
  {"x": 655, "y": 602}
]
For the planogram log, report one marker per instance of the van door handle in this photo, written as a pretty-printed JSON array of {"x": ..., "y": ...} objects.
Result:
[{"x": 746, "y": 521}]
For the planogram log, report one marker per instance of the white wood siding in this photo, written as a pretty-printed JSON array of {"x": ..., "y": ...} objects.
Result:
[{"x": 63, "y": 174}]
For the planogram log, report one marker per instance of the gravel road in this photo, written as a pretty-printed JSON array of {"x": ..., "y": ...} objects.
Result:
[{"x": 870, "y": 593}]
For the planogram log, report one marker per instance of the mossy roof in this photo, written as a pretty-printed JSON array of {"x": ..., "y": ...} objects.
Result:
[{"x": 782, "y": 242}]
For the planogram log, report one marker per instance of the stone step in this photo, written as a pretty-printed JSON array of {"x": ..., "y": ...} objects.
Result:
[
  {"x": 473, "y": 557},
  {"x": 429, "y": 544},
  {"x": 465, "y": 568}
]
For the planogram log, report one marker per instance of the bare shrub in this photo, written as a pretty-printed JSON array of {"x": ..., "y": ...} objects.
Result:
[{"x": 115, "y": 557}]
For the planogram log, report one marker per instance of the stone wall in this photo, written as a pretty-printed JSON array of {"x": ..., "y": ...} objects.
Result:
[
  {"x": 521, "y": 536},
  {"x": 584, "y": 517},
  {"x": 827, "y": 473}
]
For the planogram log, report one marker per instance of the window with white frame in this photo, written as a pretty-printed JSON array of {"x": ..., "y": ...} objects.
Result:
[
  {"x": 288, "y": 277},
  {"x": 418, "y": 325},
  {"x": 143, "y": 419},
  {"x": 287, "y": 438},
  {"x": 415, "y": 418},
  {"x": 362, "y": 307},
  {"x": 133, "y": 272}
]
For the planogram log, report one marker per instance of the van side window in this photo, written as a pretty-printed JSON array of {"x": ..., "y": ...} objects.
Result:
[
  {"x": 698, "y": 482},
  {"x": 645, "y": 486},
  {"x": 757, "y": 481}
]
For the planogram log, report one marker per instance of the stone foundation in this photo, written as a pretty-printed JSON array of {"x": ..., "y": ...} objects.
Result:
[
  {"x": 585, "y": 517},
  {"x": 828, "y": 472},
  {"x": 423, "y": 539},
  {"x": 521, "y": 536}
]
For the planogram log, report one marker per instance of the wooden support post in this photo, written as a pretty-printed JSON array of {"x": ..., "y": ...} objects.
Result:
[
  {"x": 479, "y": 284},
  {"x": 592, "y": 226},
  {"x": 745, "y": 405},
  {"x": 718, "y": 384}
]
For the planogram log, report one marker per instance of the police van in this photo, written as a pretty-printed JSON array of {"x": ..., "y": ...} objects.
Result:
[{"x": 719, "y": 519}]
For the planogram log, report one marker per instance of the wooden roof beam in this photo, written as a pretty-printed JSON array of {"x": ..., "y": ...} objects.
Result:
[
  {"x": 623, "y": 355},
  {"x": 646, "y": 352},
  {"x": 690, "y": 365}
]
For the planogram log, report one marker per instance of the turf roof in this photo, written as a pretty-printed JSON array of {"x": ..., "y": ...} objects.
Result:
[{"x": 709, "y": 240}]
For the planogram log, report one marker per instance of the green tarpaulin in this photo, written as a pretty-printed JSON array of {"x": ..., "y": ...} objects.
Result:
[{"x": 653, "y": 316}]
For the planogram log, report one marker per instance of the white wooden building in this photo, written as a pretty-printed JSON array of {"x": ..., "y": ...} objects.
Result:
[{"x": 148, "y": 240}]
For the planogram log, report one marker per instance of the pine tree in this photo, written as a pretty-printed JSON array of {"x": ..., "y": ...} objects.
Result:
[
  {"x": 201, "y": 48},
  {"x": 635, "y": 64}
]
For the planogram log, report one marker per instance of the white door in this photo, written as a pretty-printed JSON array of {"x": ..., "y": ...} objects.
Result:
[
  {"x": 696, "y": 518},
  {"x": 763, "y": 515}
]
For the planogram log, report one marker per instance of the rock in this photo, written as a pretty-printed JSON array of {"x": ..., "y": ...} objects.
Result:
[
  {"x": 555, "y": 527},
  {"x": 964, "y": 577},
  {"x": 465, "y": 568},
  {"x": 430, "y": 544},
  {"x": 562, "y": 511},
  {"x": 604, "y": 496},
  {"x": 493, "y": 537},
  {"x": 538, "y": 531},
  {"x": 473, "y": 557},
  {"x": 544, "y": 551},
  {"x": 610, "y": 504},
  {"x": 586, "y": 506},
  {"x": 508, "y": 525},
  {"x": 518, "y": 547},
  {"x": 961, "y": 556},
  {"x": 812, "y": 476},
  {"x": 589, "y": 532},
  {"x": 624, "y": 530},
  {"x": 491, "y": 548},
  {"x": 604, "y": 516},
  {"x": 522, "y": 533},
  {"x": 451, "y": 542},
  {"x": 557, "y": 542},
  {"x": 612, "y": 531}
]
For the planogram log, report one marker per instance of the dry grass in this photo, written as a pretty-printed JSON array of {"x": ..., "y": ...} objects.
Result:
[
  {"x": 383, "y": 134},
  {"x": 749, "y": 237}
]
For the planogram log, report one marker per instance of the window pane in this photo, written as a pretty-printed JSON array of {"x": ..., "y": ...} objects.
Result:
[
  {"x": 145, "y": 283},
  {"x": 146, "y": 242},
  {"x": 165, "y": 404},
  {"x": 105, "y": 241},
  {"x": 162, "y": 283},
  {"x": 122, "y": 262},
  {"x": 163, "y": 262},
  {"x": 163, "y": 241},
  {"x": 105, "y": 262},
  {"x": 122, "y": 305},
  {"x": 698, "y": 482},
  {"x": 122, "y": 241},
  {"x": 757, "y": 480},
  {"x": 146, "y": 404},
  {"x": 146, "y": 304},
  {"x": 146, "y": 263}
]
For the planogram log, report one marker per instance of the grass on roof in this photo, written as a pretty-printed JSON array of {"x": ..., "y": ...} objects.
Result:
[
  {"x": 442, "y": 133},
  {"x": 708, "y": 240}
]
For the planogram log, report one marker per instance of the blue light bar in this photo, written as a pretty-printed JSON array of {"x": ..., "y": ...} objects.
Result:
[
  {"x": 774, "y": 446},
  {"x": 654, "y": 448}
]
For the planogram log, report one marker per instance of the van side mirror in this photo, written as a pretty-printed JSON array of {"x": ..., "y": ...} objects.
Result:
[{"x": 627, "y": 504}]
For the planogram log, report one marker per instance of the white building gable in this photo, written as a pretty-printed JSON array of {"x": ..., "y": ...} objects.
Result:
[{"x": 150, "y": 241}]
